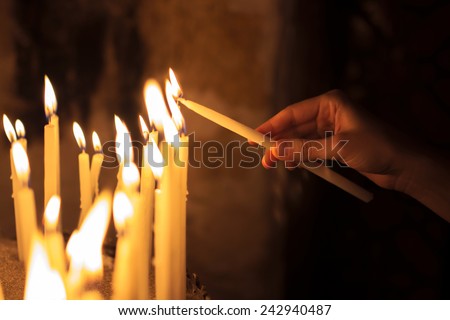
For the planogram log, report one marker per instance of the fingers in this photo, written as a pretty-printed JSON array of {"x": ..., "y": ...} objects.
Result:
[
  {"x": 292, "y": 116},
  {"x": 294, "y": 152}
]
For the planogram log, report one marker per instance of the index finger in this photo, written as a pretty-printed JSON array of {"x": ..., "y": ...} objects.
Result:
[{"x": 292, "y": 116}]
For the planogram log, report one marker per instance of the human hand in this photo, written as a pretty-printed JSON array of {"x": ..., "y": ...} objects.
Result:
[{"x": 358, "y": 140}]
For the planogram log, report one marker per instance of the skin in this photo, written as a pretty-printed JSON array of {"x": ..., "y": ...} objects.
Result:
[{"x": 383, "y": 155}]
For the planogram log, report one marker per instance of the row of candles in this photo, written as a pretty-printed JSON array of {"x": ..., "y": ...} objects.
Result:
[{"x": 146, "y": 200}]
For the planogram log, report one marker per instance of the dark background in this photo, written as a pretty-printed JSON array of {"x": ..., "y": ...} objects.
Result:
[{"x": 252, "y": 234}]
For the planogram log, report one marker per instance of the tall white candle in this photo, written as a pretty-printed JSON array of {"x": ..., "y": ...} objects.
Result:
[
  {"x": 53, "y": 239},
  {"x": 51, "y": 145},
  {"x": 96, "y": 164},
  {"x": 84, "y": 173},
  {"x": 255, "y": 136},
  {"x": 11, "y": 134},
  {"x": 26, "y": 206}
]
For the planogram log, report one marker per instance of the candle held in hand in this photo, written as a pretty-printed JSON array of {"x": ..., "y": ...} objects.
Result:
[{"x": 255, "y": 136}]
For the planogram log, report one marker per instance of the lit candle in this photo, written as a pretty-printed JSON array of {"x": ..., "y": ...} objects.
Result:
[
  {"x": 168, "y": 197},
  {"x": 84, "y": 173},
  {"x": 182, "y": 156},
  {"x": 84, "y": 248},
  {"x": 255, "y": 136},
  {"x": 124, "y": 150},
  {"x": 123, "y": 288},
  {"x": 53, "y": 239},
  {"x": 20, "y": 130},
  {"x": 26, "y": 207},
  {"x": 96, "y": 164},
  {"x": 51, "y": 145},
  {"x": 147, "y": 192},
  {"x": 11, "y": 134},
  {"x": 42, "y": 282}
]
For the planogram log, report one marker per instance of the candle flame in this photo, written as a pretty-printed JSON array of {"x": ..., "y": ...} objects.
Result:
[
  {"x": 124, "y": 149},
  {"x": 21, "y": 163},
  {"x": 42, "y": 281},
  {"x": 96, "y": 142},
  {"x": 157, "y": 166},
  {"x": 177, "y": 117},
  {"x": 156, "y": 107},
  {"x": 122, "y": 210},
  {"x": 144, "y": 129},
  {"x": 51, "y": 213},
  {"x": 176, "y": 89},
  {"x": 130, "y": 176},
  {"x": 9, "y": 129},
  {"x": 50, "y": 101},
  {"x": 20, "y": 129},
  {"x": 85, "y": 245},
  {"x": 79, "y": 136}
]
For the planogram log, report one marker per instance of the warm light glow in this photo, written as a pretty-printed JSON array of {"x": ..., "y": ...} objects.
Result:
[
  {"x": 144, "y": 129},
  {"x": 20, "y": 129},
  {"x": 130, "y": 176},
  {"x": 96, "y": 142},
  {"x": 124, "y": 149},
  {"x": 156, "y": 159},
  {"x": 84, "y": 248},
  {"x": 9, "y": 129},
  {"x": 42, "y": 283},
  {"x": 176, "y": 89},
  {"x": 177, "y": 117},
  {"x": 21, "y": 163},
  {"x": 122, "y": 210},
  {"x": 79, "y": 136},
  {"x": 51, "y": 214},
  {"x": 156, "y": 107},
  {"x": 49, "y": 98}
]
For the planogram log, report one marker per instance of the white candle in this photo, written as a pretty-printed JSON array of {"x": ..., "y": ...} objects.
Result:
[
  {"x": 26, "y": 206},
  {"x": 53, "y": 239},
  {"x": 51, "y": 145},
  {"x": 147, "y": 192},
  {"x": 168, "y": 203},
  {"x": 122, "y": 287},
  {"x": 11, "y": 134},
  {"x": 255, "y": 136},
  {"x": 96, "y": 164},
  {"x": 84, "y": 173}
]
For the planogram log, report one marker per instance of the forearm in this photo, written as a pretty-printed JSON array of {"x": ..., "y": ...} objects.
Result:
[{"x": 427, "y": 179}]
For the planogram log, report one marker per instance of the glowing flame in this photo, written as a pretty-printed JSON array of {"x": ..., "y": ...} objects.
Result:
[
  {"x": 124, "y": 149},
  {"x": 96, "y": 142},
  {"x": 51, "y": 214},
  {"x": 20, "y": 129},
  {"x": 144, "y": 129},
  {"x": 21, "y": 163},
  {"x": 122, "y": 210},
  {"x": 9, "y": 129},
  {"x": 176, "y": 89},
  {"x": 49, "y": 98},
  {"x": 174, "y": 110},
  {"x": 85, "y": 245},
  {"x": 130, "y": 176},
  {"x": 156, "y": 163},
  {"x": 156, "y": 107},
  {"x": 42, "y": 282},
  {"x": 79, "y": 136}
]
